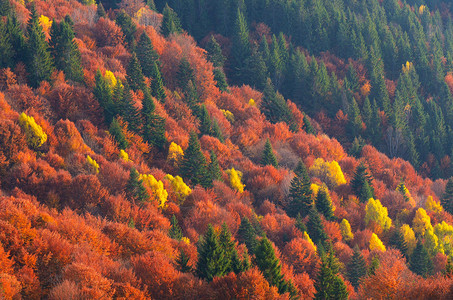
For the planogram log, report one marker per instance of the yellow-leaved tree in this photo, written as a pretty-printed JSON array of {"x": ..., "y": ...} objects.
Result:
[
  {"x": 432, "y": 205},
  {"x": 110, "y": 79},
  {"x": 181, "y": 189},
  {"x": 329, "y": 172},
  {"x": 235, "y": 180},
  {"x": 345, "y": 229},
  {"x": 377, "y": 215},
  {"x": 159, "y": 192},
  {"x": 409, "y": 238},
  {"x": 444, "y": 233},
  {"x": 432, "y": 242},
  {"x": 123, "y": 155},
  {"x": 36, "y": 137},
  {"x": 228, "y": 115},
  {"x": 175, "y": 154},
  {"x": 421, "y": 222},
  {"x": 402, "y": 189},
  {"x": 308, "y": 239},
  {"x": 376, "y": 243},
  {"x": 94, "y": 166},
  {"x": 46, "y": 23}
]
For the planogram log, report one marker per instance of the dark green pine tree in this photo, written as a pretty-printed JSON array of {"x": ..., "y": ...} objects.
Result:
[
  {"x": 241, "y": 50},
  {"x": 356, "y": 268},
  {"x": 170, "y": 22},
  {"x": 117, "y": 133},
  {"x": 247, "y": 234},
  {"x": 193, "y": 166},
  {"x": 210, "y": 256},
  {"x": 135, "y": 77},
  {"x": 100, "y": 11},
  {"x": 135, "y": 191},
  {"x": 175, "y": 231},
  {"x": 449, "y": 268},
  {"x": 205, "y": 120},
  {"x": 65, "y": 50},
  {"x": 328, "y": 284},
  {"x": 300, "y": 225},
  {"x": 324, "y": 204},
  {"x": 256, "y": 72},
  {"x": 103, "y": 94},
  {"x": 5, "y": 8},
  {"x": 397, "y": 241},
  {"x": 216, "y": 132},
  {"x": 17, "y": 39},
  {"x": 308, "y": 127},
  {"x": 374, "y": 265},
  {"x": 447, "y": 198},
  {"x": 220, "y": 79},
  {"x": 362, "y": 182},
  {"x": 182, "y": 261},
  {"x": 214, "y": 53},
  {"x": 315, "y": 227},
  {"x": 6, "y": 48},
  {"x": 127, "y": 109},
  {"x": 270, "y": 265},
  {"x": 127, "y": 26},
  {"x": 157, "y": 85},
  {"x": 153, "y": 124},
  {"x": 184, "y": 75},
  {"x": 300, "y": 193},
  {"x": 420, "y": 262},
  {"x": 39, "y": 60},
  {"x": 214, "y": 168},
  {"x": 356, "y": 147},
  {"x": 268, "y": 157},
  {"x": 228, "y": 246},
  {"x": 151, "y": 4},
  {"x": 354, "y": 119},
  {"x": 146, "y": 55}
]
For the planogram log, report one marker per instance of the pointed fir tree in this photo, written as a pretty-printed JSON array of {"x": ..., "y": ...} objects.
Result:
[
  {"x": 308, "y": 127},
  {"x": 135, "y": 77},
  {"x": 170, "y": 22},
  {"x": 397, "y": 240},
  {"x": 103, "y": 94},
  {"x": 328, "y": 284},
  {"x": 447, "y": 198},
  {"x": 153, "y": 124},
  {"x": 151, "y": 4},
  {"x": 182, "y": 262},
  {"x": 39, "y": 60},
  {"x": 268, "y": 157},
  {"x": 117, "y": 133},
  {"x": 324, "y": 204},
  {"x": 65, "y": 50},
  {"x": 214, "y": 168},
  {"x": 374, "y": 265},
  {"x": 361, "y": 182},
  {"x": 216, "y": 132},
  {"x": 247, "y": 234},
  {"x": 193, "y": 166},
  {"x": 175, "y": 231},
  {"x": 210, "y": 256},
  {"x": 420, "y": 262},
  {"x": 157, "y": 85},
  {"x": 300, "y": 192},
  {"x": 6, "y": 47},
  {"x": 127, "y": 26},
  {"x": 146, "y": 55},
  {"x": 241, "y": 48},
  {"x": 205, "y": 120},
  {"x": 220, "y": 79},
  {"x": 100, "y": 11},
  {"x": 184, "y": 75},
  {"x": 227, "y": 244},
  {"x": 17, "y": 40},
  {"x": 127, "y": 109},
  {"x": 135, "y": 191},
  {"x": 356, "y": 268},
  {"x": 448, "y": 268},
  {"x": 214, "y": 53},
  {"x": 315, "y": 227},
  {"x": 300, "y": 225}
]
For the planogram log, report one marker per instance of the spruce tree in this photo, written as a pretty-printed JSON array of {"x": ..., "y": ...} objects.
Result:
[
  {"x": 308, "y": 127},
  {"x": 39, "y": 60},
  {"x": 214, "y": 168},
  {"x": 175, "y": 231},
  {"x": 127, "y": 109},
  {"x": 216, "y": 132},
  {"x": 374, "y": 265},
  {"x": 210, "y": 256},
  {"x": 17, "y": 40},
  {"x": 227, "y": 244},
  {"x": 153, "y": 124},
  {"x": 135, "y": 77},
  {"x": 65, "y": 50},
  {"x": 247, "y": 234},
  {"x": 151, "y": 4},
  {"x": 182, "y": 262},
  {"x": 240, "y": 48},
  {"x": 117, "y": 133},
  {"x": 420, "y": 262},
  {"x": 315, "y": 227},
  {"x": 300, "y": 192},
  {"x": 193, "y": 166},
  {"x": 157, "y": 85},
  {"x": 397, "y": 240},
  {"x": 447, "y": 198},
  {"x": 100, "y": 11},
  {"x": 127, "y": 26},
  {"x": 268, "y": 157},
  {"x": 214, "y": 53},
  {"x": 146, "y": 54},
  {"x": 328, "y": 284},
  {"x": 6, "y": 48},
  {"x": 360, "y": 181},
  {"x": 324, "y": 204},
  {"x": 449, "y": 268},
  {"x": 135, "y": 191},
  {"x": 103, "y": 94},
  {"x": 170, "y": 22},
  {"x": 184, "y": 74},
  {"x": 356, "y": 268},
  {"x": 220, "y": 79},
  {"x": 205, "y": 120}
]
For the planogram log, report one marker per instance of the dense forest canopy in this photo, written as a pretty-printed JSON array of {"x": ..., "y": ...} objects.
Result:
[{"x": 228, "y": 149}]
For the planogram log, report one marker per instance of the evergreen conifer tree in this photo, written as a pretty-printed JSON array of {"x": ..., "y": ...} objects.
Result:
[
  {"x": 214, "y": 168},
  {"x": 65, "y": 50},
  {"x": 117, "y": 133},
  {"x": 247, "y": 234},
  {"x": 135, "y": 190},
  {"x": 184, "y": 74},
  {"x": 308, "y": 127},
  {"x": 268, "y": 155},
  {"x": 220, "y": 79},
  {"x": 170, "y": 22},
  {"x": 241, "y": 48},
  {"x": 328, "y": 284},
  {"x": 356, "y": 268},
  {"x": 17, "y": 40},
  {"x": 6, "y": 48},
  {"x": 175, "y": 231},
  {"x": 214, "y": 53},
  {"x": 100, "y": 11},
  {"x": 127, "y": 26},
  {"x": 182, "y": 262},
  {"x": 39, "y": 60},
  {"x": 324, "y": 204},
  {"x": 447, "y": 198},
  {"x": 216, "y": 132},
  {"x": 228, "y": 246},
  {"x": 193, "y": 166},
  {"x": 134, "y": 74},
  {"x": 211, "y": 256},
  {"x": 127, "y": 109},
  {"x": 420, "y": 262},
  {"x": 300, "y": 192},
  {"x": 103, "y": 94},
  {"x": 315, "y": 228},
  {"x": 146, "y": 55},
  {"x": 157, "y": 85},
  {"x": 361, "y": 183},
  {"x": 151, "y": 4},
  {"x": 153, "y": 124},
  {"x": 397, "y": 240},
  {"x": 205, "y": 120}
]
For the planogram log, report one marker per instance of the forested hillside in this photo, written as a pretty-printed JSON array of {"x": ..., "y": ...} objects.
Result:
[{"x": 226, "y": 149}]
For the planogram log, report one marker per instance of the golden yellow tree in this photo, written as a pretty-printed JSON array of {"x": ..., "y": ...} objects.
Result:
[
  {"x": 421, "y": 222},
  {"x": 36, "y": 137},
  {"x": 181, "y": 189},
  {"x": 124, "y": 156},
  {"x": 432, "y": 205},
  {"x": 235, "y": 180},
  {"x": 345, "y": 229},
  {"x": 377, "y": 214},
  {"x": 376, "y": 243},
  {"x": 175, "y": 154},
  {"x": 159, "y": 192},
  {"x": 329, "y": 172},
  {"x": 93, "y": 164},
  {"x": 409, "y": 238}
]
